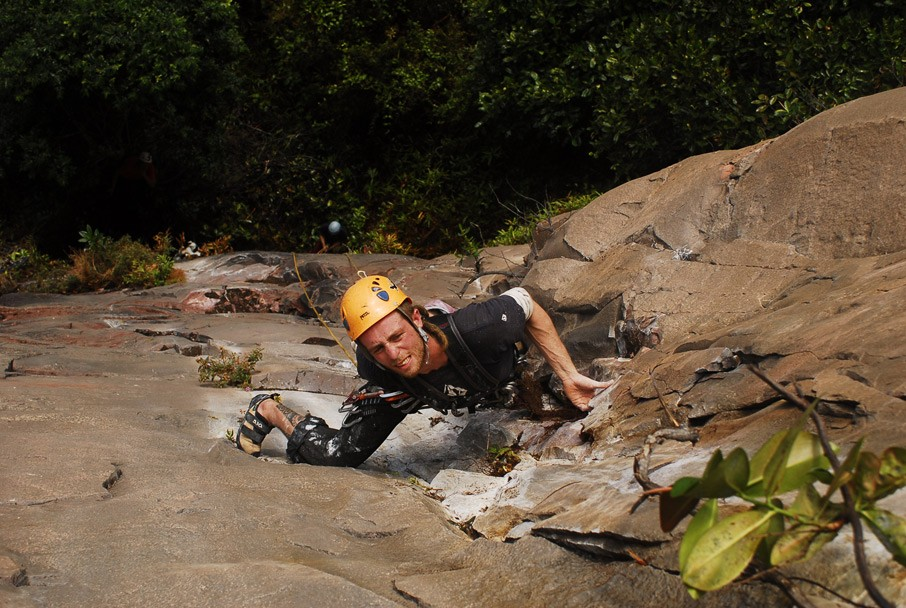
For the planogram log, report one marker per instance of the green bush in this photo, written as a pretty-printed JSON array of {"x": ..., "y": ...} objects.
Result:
[
  {"x": 641, "y": 85},
  {"x": 87, "y": 82},
  {"x": 520, "y": 228},
  {"x": 24, "y": 268},
  {"x": 229, "y": 369},
  {"x": 106, "y": 263}
]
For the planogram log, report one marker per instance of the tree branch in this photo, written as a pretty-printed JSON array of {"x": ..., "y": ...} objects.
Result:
[{"x": 849, "y": 504}]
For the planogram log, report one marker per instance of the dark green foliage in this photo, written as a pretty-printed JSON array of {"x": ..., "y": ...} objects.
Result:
[
  {"x": 359, "y": 109},
  {"x": 101, "y": 263},
  {"x": 641, "y": 85},
  {"x": 419, "y": 125},
  {"x": 25, "y": 268},
  {"x": 501, "y": 460},
  {"x": 85, "y": 83},
  {"x": 519, "y": 227}
]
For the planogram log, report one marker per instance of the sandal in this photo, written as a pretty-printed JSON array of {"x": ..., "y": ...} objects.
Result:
[{"x": 254, "y": 428}]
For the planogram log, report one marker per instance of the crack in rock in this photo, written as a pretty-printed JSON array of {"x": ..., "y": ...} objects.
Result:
[
  {"x": 191, "y": 336},
  {"x": 114, "y": 477}
]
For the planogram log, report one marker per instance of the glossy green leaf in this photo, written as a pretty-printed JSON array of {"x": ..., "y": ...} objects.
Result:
[
  {"x": 892, "y": 472},
  {"x": 760, "y": 461},
  {"x": 844, "y": 474},
  {"x": 825, "y": 476},
  {"x": 800, "y": 542},
  {"x": 813, "y": 530},
  {"x": 808, "y": 503},
  {"x": 893, "y": 463},
  {"x": 785, "y": 464},
  {"x": 769, "y": 462},
  {"x": 736, "y": 469},
  {"x": 775, "y": 469},
  {"x": 713, "y": 482},
  {"x": 724, "y": 551},
  {"x": 703, "y": 521},
  {"x": 890, "y": 529},
  {"x": 772, "y": 533},
  {"x": 805, "y": 459},
  {"x": 714, "y": 463},
  {"x": 866, "y": 478}
]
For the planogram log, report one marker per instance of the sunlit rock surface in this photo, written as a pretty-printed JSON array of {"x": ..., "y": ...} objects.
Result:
[{"x": 120, "y": 489}]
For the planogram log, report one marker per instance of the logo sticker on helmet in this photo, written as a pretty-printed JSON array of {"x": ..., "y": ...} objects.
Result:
[{"x": 379, "y": 290}]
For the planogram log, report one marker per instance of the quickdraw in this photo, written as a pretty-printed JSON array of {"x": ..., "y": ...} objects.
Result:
[{"x": 368, "y": 399}]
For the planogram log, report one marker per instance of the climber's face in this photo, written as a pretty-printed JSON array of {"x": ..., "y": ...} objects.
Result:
[{"x": 396, "y": 344}]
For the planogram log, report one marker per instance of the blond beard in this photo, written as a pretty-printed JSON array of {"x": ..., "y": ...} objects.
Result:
[{"x": 418, "y": 356}]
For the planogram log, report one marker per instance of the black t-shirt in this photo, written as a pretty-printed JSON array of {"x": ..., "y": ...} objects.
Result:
[{"x": 490, "y": 329}]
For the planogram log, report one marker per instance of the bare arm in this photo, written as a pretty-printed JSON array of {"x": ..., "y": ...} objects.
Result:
[{"x": 579, "y": 388}]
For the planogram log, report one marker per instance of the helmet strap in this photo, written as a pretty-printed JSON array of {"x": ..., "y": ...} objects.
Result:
[
  {"x": 421, "y": 332},
  {"x": 424, "y": 336}
]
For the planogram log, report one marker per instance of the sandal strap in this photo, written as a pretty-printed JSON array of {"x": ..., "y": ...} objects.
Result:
[
  {"x": 257, "y": 437},
  {"x": 259, "y": 426}
]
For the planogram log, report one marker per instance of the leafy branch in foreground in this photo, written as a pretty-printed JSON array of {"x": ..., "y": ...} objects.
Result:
[{"x": 714, "y": 551}]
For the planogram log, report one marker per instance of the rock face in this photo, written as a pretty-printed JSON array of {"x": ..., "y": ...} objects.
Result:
[
  {"x": 119, "y": 488},
  {"x": 789, "y": 253}
]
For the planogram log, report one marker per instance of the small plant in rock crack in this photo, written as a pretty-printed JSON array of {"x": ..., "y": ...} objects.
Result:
[
  {"x": 502, "y": 460},
  {"x": 229, "y": 369},
  {"x": 714, "y": 551}
]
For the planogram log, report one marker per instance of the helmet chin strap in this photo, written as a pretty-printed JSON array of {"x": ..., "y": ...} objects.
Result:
[
  {"x": 424, "y": 336},
  {"x": 421, "y": 332}
]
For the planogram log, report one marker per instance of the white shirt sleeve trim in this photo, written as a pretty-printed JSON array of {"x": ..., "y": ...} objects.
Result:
[{"x": 522, "y": 298}]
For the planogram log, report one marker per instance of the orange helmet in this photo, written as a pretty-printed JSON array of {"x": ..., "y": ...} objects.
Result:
[{"x": 369, "y": 300}]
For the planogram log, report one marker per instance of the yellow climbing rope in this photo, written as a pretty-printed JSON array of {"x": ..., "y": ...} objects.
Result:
[{"x": 318, "y": 315}]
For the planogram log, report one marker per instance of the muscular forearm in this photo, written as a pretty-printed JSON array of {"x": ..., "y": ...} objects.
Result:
[
  {"x": 578, "y": 388},
  {"x": 541, "y": 330}
]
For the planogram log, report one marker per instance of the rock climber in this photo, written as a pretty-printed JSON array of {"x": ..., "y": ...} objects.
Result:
[
  {"x": 452, "y": 362},
  {"x": 332, "y": 235},
  {"x": 138, "y": 168},
  {"x": 130, "y": 207}
]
